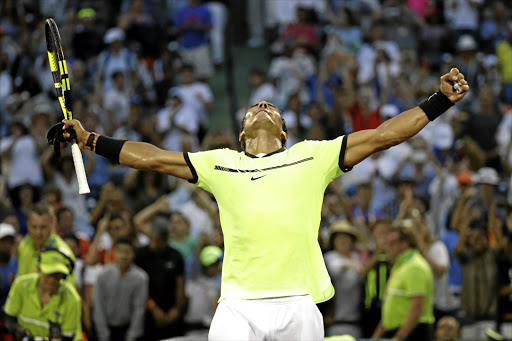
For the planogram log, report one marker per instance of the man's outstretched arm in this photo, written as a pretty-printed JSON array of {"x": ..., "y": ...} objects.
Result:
[
  {"x": 139, "y": 155},
  {"x": 402, "y": 127}
]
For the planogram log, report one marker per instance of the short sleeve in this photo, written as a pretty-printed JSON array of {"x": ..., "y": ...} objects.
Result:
[
  {"x": 416, "y": 283},
  {"x": 330, "y": 156},
  {"x": 72, "y": 324},
  {"x": 14, "y": 301},
  {"x": 201, "y": 165}
]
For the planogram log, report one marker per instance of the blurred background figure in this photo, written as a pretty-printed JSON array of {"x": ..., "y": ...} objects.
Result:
[{"x": 447, "y": 329}]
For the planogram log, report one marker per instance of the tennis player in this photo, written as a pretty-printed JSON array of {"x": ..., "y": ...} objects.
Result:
[{"x": 270, "y": 200}]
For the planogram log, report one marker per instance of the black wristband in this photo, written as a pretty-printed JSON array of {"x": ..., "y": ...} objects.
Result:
[
  {"x": 90, "y": 139},
  {"x": 109, "y": 148},
  {"x": 436, "y": 105}
]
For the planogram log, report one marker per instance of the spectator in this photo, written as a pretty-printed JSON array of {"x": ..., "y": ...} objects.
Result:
[
  {"x": 195, "y": 95},
  {"x": 178, "y": 123},
  {"x": 192, "y": 25},
  {"x": 64, "y": 225},
  {"x": 61, "y": 171},
  {"x": 116, "y": 101},
  {"x": 377, "y": 272},
  {"x": 408, "y": 311},
  {"x": 110, "y": 228},
  {"x": 131, "y": 130},
  {"x": 479, "y": 274},
  {"x": 41, "y": 224},
  {"x": 261, "y": 89},
  {"x": 21, "y": 150},
  {"x": 462, "y": 15},
  {"x": 23, "y": 197},
  {"x": 166, "y": 305},
  {"x": 504, "y": 53},
  {"x": 41, "y": 304},
  {"x": 447, "y": 329},
  {"x": 504, "y": 308},
  {"x": 343, "y": 264},
  {"x": 86, "y": 39},
  {"x": 204, "y": 290},
  {"x": 8, "y": 260},
  {"x": 302, "y": 33},
  {"x": 120, "y": 297},
  {"x": 115, "y": 58}
]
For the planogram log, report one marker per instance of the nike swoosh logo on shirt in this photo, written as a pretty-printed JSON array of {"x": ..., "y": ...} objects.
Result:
[{"x": 258, "y": 177}]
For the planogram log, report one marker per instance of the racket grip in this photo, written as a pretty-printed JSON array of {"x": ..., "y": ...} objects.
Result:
[{"x": 83, "y": 186}]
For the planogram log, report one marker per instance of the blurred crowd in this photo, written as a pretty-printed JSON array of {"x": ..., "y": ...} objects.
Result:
[{"x": 141, "y": 70}]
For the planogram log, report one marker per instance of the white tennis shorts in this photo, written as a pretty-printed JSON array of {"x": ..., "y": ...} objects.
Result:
[{"x": 286, "y": 318}]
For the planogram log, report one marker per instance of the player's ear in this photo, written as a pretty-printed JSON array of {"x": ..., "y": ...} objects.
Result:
[
  {"x": 284, "y": 138},
  {"x": 241, "y": 136}
]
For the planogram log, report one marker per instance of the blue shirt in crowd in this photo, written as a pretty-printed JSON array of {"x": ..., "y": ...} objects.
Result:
[{"x": 197, "y": 15}]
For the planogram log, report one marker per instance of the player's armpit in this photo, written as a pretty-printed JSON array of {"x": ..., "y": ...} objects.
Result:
[{"x": 148, "y": 157}]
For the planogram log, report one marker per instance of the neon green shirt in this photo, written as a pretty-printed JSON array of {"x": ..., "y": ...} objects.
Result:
[
  {"x": 64, "y": 308},
  {"x": 410, "y": 276},
  {"x": 504, "y": 54},
  {"x": 27, "y": 255},
  {"x": 270, "y": 214}
]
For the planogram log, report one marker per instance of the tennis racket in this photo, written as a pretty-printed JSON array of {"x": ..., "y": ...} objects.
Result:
[{"x": 61, "y": 81}]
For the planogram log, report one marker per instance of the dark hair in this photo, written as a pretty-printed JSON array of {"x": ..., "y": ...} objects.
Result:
[
  {"x": 61, "y": 210},
  {"x": 70, "y": 235},
  {"x": 258, "y": 72},
  {"x": 187, "y": 67},
  {"x": 54, "y": 190},
  {"x": 125, "y": 241},
  {"x": 283, "y": 127},
  {"x": 330, "y": 242}
]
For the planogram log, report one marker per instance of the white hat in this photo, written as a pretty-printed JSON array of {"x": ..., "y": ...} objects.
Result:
[
  {"x": 466, "y": 42},
  {"x": 442, "y": 136},
  {"x": 113, "y": 34},
  {"x": 487, "y": 175},
  {"x": 7, "y": 230},
  {"x": 389, "y": 110}
]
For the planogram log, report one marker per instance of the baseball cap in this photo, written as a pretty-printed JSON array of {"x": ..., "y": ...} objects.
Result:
[
  {"x": 7, "y": 230},
  {"x": 487, "y": 175},
  {"x": 389, "y": 110},
  {"x": 210, "y": 255},
  {"x": 466, "y": 43},
  {"x": 54, "y": 261},
  {"x": 86, "y": 13},
  {"x": 113, "y": 34}
]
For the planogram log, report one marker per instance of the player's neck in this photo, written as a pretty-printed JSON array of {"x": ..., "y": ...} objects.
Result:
[{"x": 262, "y": 142}]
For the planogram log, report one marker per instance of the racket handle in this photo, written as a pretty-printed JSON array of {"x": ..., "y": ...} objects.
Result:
[{"x": 83, "y": 186}]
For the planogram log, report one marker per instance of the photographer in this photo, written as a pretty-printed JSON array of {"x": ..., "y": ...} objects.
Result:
[{"x": 42, "y": 304}]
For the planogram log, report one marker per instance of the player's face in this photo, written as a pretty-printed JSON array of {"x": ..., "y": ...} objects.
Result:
[
  {"x": 40, "y": 228},
  {"x": 263, "y": 115}
]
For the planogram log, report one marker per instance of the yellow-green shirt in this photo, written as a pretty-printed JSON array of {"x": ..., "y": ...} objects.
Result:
[
  {"x": 410, "y": 276},
  {"x": 504, "y": 54},
  {"x": 270, "y": 214},
  {"x": 27, "y": 254},
  {"x": 64, "y": 308}
]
